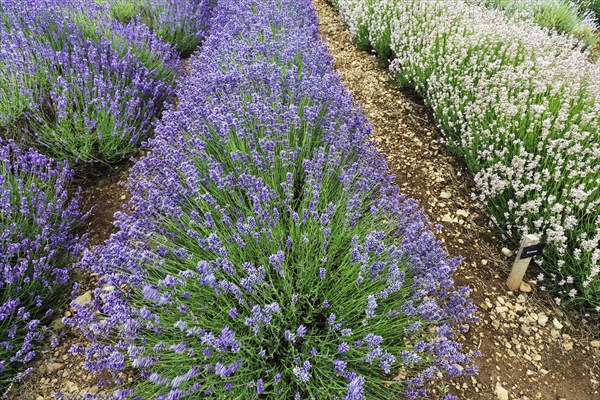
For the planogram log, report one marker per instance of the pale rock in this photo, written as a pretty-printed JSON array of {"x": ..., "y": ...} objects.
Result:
[
  {"x": 55, "y": 367},
  {"x": 445, "y": 195},
  {"x": 448, "y": 218},
  {"x": 525, "y": 287},
  {"x": 501, "y": 393},
  {"x": 542, "y": 319},
  {"x": 519, "y": 308},
  {"x": 462, "y": 213},
  {"x": 506, "y": 252},
  {"x": 568, "y": 346},
  {"x": 557, "y": 324},
  {"x": 84, "y": 298},
  {"x": 595, "y": 343}
]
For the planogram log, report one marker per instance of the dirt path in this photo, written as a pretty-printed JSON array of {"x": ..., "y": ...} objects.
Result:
[{"x": 531, "y": 350}]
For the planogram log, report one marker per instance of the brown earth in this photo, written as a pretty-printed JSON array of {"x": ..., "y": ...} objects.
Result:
[{"x": 531, "y": 349}]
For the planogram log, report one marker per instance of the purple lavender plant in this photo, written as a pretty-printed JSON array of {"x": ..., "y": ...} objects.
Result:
[
  {"x": 265, "y": 252},
  {"x": 182, "y": 23},
  {"x": 89, "y": 88},
  {"x": 37, "y": 247}
]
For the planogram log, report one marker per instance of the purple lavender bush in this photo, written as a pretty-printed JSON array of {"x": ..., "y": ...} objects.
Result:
[
  {"x": 182, "y": 23},
  {"x": 88, "y": 87},
  {"x": 265, "y": 252},
  {"x": 37, "y": 248}
]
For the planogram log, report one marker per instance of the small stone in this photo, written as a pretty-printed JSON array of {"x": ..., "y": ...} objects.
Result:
[
  {"x": 500, "y": 392},
  {"x": 568, "y": 346},
  {"x": 84, "y": 298},
  {"x": 554, "y": 333},
  {"x": 506, "y": 252},
  {"x": 462, "y": 213},
  {"x": 542, "y": 319},
  {"x": 525, "y": 287},
  {"x": 496, "y": 324},
  {"x": 557, "y": 324},
  {"x": 55, "y": 367},
  {"x": 484, "y": 262},
  {"x": 93, "y": 390},
  {"x": 501, "y": 309},
  {"x": 445, "y": 195},
  {"x": 519, "y": 308},
  {"x": 39, "y": 398},
  {"x": 595, "y": 343},
  {"x": 448, "y": 218},
  {"x": 123, "y": 197}
]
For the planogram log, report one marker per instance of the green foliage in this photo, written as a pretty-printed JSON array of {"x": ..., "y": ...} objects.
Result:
[
  {"x": 593, "y": 6},
  {"x": 180, "y": 23}
]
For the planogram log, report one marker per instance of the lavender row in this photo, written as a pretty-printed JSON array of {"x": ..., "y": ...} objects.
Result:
[
  {"x": 80, "y": 85},
  {"x": 522, "y": 107},
  {"x": 265, "y": 252},
  {"x": 77, "y": 84},
  {"x": 182, "y": 23},
  {"x": 37, "y": 250}
]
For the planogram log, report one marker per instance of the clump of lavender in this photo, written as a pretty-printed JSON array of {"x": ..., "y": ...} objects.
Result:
[
  {"x": 182, "y": 23},
  {"x": 37, "y": 248},
  {"x": 522, "y": 106},
  {"x": 265, "y": 252},
  {"x": 88, "y": 88},
  {"x": 564, "y": 16}
]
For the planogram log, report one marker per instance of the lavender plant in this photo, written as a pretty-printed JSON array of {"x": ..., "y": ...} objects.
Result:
[
  {"x": 182, "y": 23},
  {"x": 593, "y": 6},
  {"x": 522, "y": 107},
  {"x": 562, "y": 15},
  {"x": 265, "y": 252},
  {"x": 37, "y": 247},
  {"x": 97, "y": 86}
]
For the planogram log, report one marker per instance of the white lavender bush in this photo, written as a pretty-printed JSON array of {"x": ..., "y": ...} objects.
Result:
[
  {"x": 565, "y": 16},
  {"x": 522, "y": 106}
]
